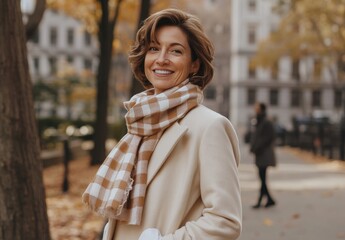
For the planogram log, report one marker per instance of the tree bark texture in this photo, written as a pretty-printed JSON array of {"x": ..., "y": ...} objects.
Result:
[
  {"x": 105, "y": 37},
  {"x": 136, "y": 86},
  {"x": 23, "y": 212}
]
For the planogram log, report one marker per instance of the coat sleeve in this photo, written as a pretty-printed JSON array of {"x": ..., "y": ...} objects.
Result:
[{"x": 219, "y": 185}]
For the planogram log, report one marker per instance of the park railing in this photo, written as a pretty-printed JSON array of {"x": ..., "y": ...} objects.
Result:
[{"x": 317, "y": 135}]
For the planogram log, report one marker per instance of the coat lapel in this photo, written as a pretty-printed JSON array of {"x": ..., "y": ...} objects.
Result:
[{"x": 164, "y": 147}]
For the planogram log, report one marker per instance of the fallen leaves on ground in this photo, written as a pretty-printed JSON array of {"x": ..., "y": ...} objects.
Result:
[
  {"x": 324, "y": 162},
  {"x": 69, "y": 218},
  {"x": 268, "y": 222}
]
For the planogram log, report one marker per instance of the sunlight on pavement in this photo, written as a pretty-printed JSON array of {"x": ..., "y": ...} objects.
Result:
[
  {"x": 309, "y": 190},
  {"x": 294, "y": 177}
]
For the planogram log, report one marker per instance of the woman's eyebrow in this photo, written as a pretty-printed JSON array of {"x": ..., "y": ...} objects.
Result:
[
  {"x": 171, "y": 44},
  {"x": 177, "y": 44}
]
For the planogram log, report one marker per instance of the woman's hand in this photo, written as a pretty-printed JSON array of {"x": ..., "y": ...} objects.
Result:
[{"x": 150, "y": 234}]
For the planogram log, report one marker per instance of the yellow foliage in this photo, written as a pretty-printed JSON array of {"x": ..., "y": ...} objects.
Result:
[
  {"x": 83, "y": 93},
  {"x": 268, "y": 222},
  {"x": 309, "y": 28},
  {"x": 89, "y": 13}
]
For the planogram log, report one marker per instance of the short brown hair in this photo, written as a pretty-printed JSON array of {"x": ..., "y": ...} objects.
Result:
[{"x": 200, "y": 45}]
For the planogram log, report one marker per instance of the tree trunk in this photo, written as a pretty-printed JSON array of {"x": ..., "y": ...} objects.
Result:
[
  {"x": 23, "y": 212},
  {"x": 106, "y": 37},
  {"x": 136, "y": 86},
  {"x": 35, "y": 18}
]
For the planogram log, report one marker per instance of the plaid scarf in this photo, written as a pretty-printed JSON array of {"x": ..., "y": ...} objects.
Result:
[{"x": 119, "y": 187}]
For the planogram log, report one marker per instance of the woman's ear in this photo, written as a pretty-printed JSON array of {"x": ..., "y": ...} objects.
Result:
[{"x": 195, "y": 66}]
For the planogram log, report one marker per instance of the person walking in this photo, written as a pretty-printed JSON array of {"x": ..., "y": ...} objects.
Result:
[
  {"x": 175, "y": 173},
  {"x": 262, "y": 145}
]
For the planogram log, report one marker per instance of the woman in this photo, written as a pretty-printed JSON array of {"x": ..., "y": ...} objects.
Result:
[
  {"x": 262, "y": 145},
  {"x": 174, "y": 175}
]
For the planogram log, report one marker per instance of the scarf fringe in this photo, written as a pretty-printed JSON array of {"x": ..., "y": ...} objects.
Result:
[
  {"x": 109, "y": 213},
  {"x": 125, "y": 196}
]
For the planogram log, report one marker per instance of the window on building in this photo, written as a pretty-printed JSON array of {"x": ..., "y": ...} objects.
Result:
[
  {"x": 295, "y": 70},
  {"x": 37, "y": 65},
  {"x": 252, "y": 34},
  {"x": 87, "y": 38},
  {"x": 210, "y": 92},
  {"x": 275, "y": 71},
  {"x": 53, "y": 36},
  {"x": 87, "y": 64},
  {"x": 226, "y": 93},
  {"x": 341, "y": 67},
  {"x": 252, "y": 5},
  {"x": 274, "y": 97},
  {"x": 251, "y": 96},
  {"x": 295, "y": 96},
  {"x": 70, "y": 59},
  {"x": 316, "y": 98},
  {"x": 251, "y": 72},
  {"x": 317, "y": 69},
  {"x": 251, "y": 69},
  {"x": 338, "y": 98},
  {"x": 70, "y": 36},
  {"x": 52, "y": 65}
]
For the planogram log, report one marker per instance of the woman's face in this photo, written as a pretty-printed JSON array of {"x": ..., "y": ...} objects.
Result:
[{"x": 168, "y": 62}]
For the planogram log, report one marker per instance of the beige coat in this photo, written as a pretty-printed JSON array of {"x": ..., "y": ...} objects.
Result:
[{"x": 193, "y": 188}]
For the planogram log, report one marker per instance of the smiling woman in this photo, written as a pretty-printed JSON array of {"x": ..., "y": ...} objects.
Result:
[
  {"x": 193, "y": 38},
  {"x": 174, "y": 175},
  {"x": 168, "y": 61}
]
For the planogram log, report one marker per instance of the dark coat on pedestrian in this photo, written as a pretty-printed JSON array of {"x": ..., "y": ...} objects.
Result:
[{"x": 263, "y": 141}]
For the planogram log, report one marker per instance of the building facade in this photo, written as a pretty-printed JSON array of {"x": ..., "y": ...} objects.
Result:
[
  {"x": 60, "y": 55},
  {"x": 290, "y": 89},
  {"x": 61, "y": 42},
  {"x": 214, "y": 16},
  {"x": 62, "y": 50}
]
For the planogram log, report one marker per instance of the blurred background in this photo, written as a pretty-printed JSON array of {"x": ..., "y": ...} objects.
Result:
[{"x": 289, "y": 54}]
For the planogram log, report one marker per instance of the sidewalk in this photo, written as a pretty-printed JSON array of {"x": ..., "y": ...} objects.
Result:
[
  {"x": 310, "y": 195},
  {"x": 310, "y": 198}
]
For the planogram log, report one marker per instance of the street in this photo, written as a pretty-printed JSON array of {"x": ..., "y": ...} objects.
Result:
[{"x": 310, "y": 198}]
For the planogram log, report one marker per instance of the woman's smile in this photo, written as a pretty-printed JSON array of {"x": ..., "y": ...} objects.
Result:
[{"x": 162, "y": 72}]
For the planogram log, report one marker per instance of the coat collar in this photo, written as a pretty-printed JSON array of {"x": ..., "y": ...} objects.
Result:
[{"x": 164, "y": 147}]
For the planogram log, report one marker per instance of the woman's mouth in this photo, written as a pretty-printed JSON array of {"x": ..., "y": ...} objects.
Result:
[{"x": 162, "y": 72}]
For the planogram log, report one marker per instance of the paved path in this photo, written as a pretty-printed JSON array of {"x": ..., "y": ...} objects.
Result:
[{"x": 310, "y": 200}]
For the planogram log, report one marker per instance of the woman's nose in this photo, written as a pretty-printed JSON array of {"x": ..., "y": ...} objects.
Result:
[{"x": 162, "y": 58}]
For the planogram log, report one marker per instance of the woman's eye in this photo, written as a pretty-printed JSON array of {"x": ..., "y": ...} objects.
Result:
[
  {"x": 176, "y": 51},
  {"x": 153, "y": 49}
]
